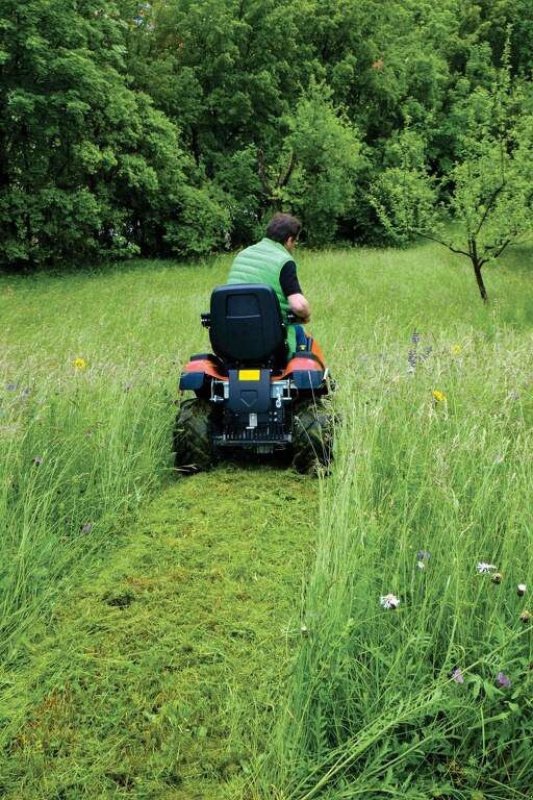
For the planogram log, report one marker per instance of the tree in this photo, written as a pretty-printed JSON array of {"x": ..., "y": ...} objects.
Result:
[
  {"x": 316, "y": 174},
  {"x": 89, "y": 167},
  {"x": 487, "y": 193}
]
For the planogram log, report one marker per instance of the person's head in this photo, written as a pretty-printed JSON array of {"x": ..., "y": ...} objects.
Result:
[{"x": 285, "y": 229}]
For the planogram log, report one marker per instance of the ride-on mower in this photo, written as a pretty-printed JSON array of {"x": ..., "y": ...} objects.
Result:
[{"x": 250, "y": 394}]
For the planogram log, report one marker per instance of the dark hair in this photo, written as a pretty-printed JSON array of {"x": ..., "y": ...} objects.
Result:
[{"x": 282, "y": 226}]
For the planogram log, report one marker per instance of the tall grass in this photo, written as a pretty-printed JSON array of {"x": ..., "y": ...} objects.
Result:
[
  {"x": 89, "y": 368},
  {"x": 433, "y": 454},
  {"x": 433, "y": 477}
]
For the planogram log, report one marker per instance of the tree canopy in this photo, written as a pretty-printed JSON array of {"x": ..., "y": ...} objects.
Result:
[{"x": 174, "y": 127}]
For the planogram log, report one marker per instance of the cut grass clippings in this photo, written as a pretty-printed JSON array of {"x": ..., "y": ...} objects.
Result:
[{"x": 161, "y": 672}]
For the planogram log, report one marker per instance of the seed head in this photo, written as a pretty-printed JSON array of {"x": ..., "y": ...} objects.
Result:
[
  {"x": 525, "y": 616},
  {"x": 497, "y": 577}
]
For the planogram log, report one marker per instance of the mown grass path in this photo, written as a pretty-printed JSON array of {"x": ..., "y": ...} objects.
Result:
[{"x": 163, "y": 667}]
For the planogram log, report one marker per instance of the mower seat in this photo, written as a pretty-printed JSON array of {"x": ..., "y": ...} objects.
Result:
[{"x": 246, "y": 326}]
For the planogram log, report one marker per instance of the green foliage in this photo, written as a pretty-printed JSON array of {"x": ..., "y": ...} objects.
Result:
[
  {"x": 324, "y": 157},
  {"x": 403, "y": 194},
  {"x": 200, "y": 225},
  {"x": 116, "y": 117},
  {"x": 489, "y": 197},
  {"x": 492, "y": 196},
  {"x": 91, "y": 167}
]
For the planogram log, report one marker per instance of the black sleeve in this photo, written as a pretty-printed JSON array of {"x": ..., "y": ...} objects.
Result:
[{"x": 289, "y": 279}]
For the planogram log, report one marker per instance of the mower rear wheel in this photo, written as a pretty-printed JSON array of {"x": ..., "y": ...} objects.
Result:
[
  {"x": 193, "y": 446},
  {"x": 312, "y": 437}
]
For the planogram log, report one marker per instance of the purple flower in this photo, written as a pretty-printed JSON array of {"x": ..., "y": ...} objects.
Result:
[
  {"x": 503, "y": 681},
  {"x": 457, "y": 675},
  {"x": 87, "y": 528}
]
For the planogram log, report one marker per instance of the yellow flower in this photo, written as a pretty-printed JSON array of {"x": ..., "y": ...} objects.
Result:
[
  {"x": 79, "y": 364},
  {"x": 456, "y": 350},
  {"x": 438, "y": 396}
]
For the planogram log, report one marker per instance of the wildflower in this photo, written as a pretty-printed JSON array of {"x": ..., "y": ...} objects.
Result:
[
  {"x": 79, "y": 364},
  {"x": 304, "y": 630},
  {"x": 25, "y": 393},
  {"x": 521, "y": 589},
  {"x": 423, "y": 555},
  {"x": 497, "y": 577},
  {"x": 37, "y": 460},
  {"x": 525, "y": 616},
  {"x": 389, "y": 601},
  {"x": 438, "y": 396},
  {"x": 483, "y": 568},
  {"x": 456, "y": 350},
  {"x": 500, "y": 458},
  {"x": 412, "y": 360},
  {"x": 11, "y": 387},
  {"x": 415, "y": 337},
  {"x": 87, "y": 528},
  {"x": 457, "y": 675},
  {"x": 378, "y": 64},
  {"x": 503, "y": 681},
  {"x": 513, "y": 395}
]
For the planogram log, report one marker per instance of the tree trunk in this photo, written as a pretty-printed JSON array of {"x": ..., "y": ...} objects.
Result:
[
  {"x": 477, "y": 263},
  {"x": 479, "y": 278}
]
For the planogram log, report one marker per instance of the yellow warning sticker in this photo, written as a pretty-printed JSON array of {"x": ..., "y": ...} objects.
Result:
[{"x": 249, "y": 374}]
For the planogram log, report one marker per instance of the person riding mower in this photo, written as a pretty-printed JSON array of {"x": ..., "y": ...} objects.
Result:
[{"x": 253, "y": 393}]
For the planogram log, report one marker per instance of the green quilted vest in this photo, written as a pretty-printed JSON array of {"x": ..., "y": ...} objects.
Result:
[{"x": 262, "y": 263}]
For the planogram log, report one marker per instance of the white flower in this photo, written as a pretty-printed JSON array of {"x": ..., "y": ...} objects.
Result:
[
  {"x": 521, "y": 589},
  {"x": 389, "y": 601},
  {"x": 483, "y": 568}
]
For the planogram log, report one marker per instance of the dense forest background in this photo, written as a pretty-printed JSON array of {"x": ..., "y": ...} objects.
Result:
[{"x": 173, "y": 128}]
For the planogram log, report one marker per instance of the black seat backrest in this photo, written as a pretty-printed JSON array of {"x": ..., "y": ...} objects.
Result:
[{"x": 246, "y": 325}]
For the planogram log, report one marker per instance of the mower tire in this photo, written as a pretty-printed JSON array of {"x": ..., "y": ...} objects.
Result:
[
  {"x": 193, "y": 448},
  {"x": 312, "y": 438}
]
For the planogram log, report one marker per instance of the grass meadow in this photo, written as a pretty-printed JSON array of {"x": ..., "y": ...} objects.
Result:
[{"x": 252, "y": 633}]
